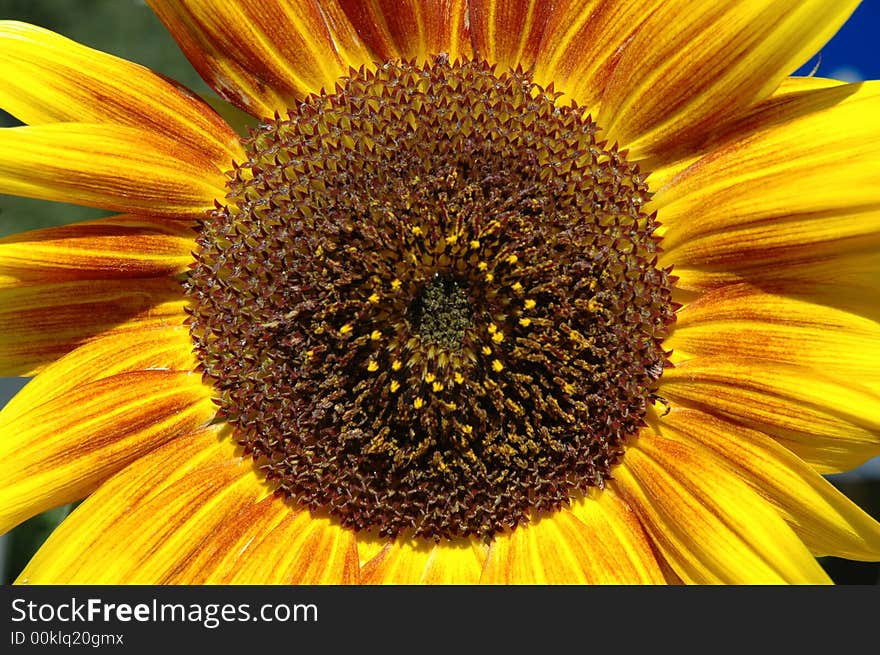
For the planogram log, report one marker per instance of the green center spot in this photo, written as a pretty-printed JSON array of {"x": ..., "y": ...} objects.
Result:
[{"x": 441, "y": 312}]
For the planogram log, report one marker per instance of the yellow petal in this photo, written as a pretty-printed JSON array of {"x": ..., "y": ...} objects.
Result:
[
  {"x": 411, "y": 29},
  {"x": 622, "y": 551},
  {"x": 301, "y": 550},
  {"x": 369, "y": 545},
  {"x": 603, "y": 546},
  {"x": 46, "y": 78},
  {"x": 774, "y": 110},
  {"x": 847, "y": 282},
  {"x": 262, "y": 56},
  {"x": 791, "y": 87},
  {"x": 420, "y": 562},
  {"x": 743, "y": 205},
  {"x": 708, "y": 524},
  {"x": 833, "y": 423},
  {"x": 690, "y": 66},
  {"x": 67, "y": 547},
  {"x": 582, "y": 43},
  {"x": 43, "y": 321},
  {"x": 508, "y": 32},
  {"x": 795, "y": 97},
  {"x": 145, "y": 348},
  {"x": 145, "y": 523},
  {"x": 119, "y": 246},
  {"x": 746, "y": 322},
  {"x": 162, "y": 534},
  {"x": 61, "y": 450},
  {"x": 272, "y": 542},
  {"x": 218, "y": 553},
  {"x": 550, "y": 550},
  {"x": 113, "y": 167},
  {"x": 826, "y": 520}
]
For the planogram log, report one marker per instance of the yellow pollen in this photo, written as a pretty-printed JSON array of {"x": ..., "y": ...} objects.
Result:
[
  {"x": 492, "y": 328},
  {"x": 395, "y": 284},
  {"x": 568, "y": 387},
  {"x": 437, "y": 386},
  {"x": 489, "y": 277},
  {"x": 487, "y": 350},
  {"x": 459, "y": 378},
  {"x": 429, "y": 378},
  {"x": 418, "y": 403},
  {"x": 517, "y": 287},
  {"x": 525, "y": 322},
  {"x": 593, "y": 306},
  {"x": 467, "y": 429},
  {"x": 498, "y": 337},
  {"x": 497, "y": 366},
  {"x": 482, "y": 266},
  {"x": 451, "y": 239},
  {"x": 374, "y": 299},
  {"x": 416, "y": 230},
  {"x": 395, "y": 365},
  {"x": 375, "y": 335},
  {"x": 512, "y": 259},
  {"x": 395, "y": 385},
  {"x": 474, "y": 244},
  {"x": 373, "y": 365},
  {"x": 345, "y": 329},
  {"x": 529, "y": 304}
]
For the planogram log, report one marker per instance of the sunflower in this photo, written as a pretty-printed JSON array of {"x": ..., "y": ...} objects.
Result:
[{"x": 491, "y": 292}]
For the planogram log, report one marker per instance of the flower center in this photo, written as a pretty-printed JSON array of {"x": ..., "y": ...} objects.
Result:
[
  {"x": 430, "y": 303},
  {"x": 440, "y": 312}
]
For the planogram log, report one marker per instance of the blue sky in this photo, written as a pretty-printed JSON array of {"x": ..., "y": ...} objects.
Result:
[{"x": 855, "y": 47}]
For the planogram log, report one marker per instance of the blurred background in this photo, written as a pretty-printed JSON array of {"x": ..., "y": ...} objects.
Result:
[{"x": 129, "y": 29}]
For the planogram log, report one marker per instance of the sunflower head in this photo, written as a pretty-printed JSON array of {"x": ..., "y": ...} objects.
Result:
[{"x": 431, "y": 300}]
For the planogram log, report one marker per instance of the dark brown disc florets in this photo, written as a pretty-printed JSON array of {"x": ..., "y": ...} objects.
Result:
[{"x": 431, "y": 302}]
